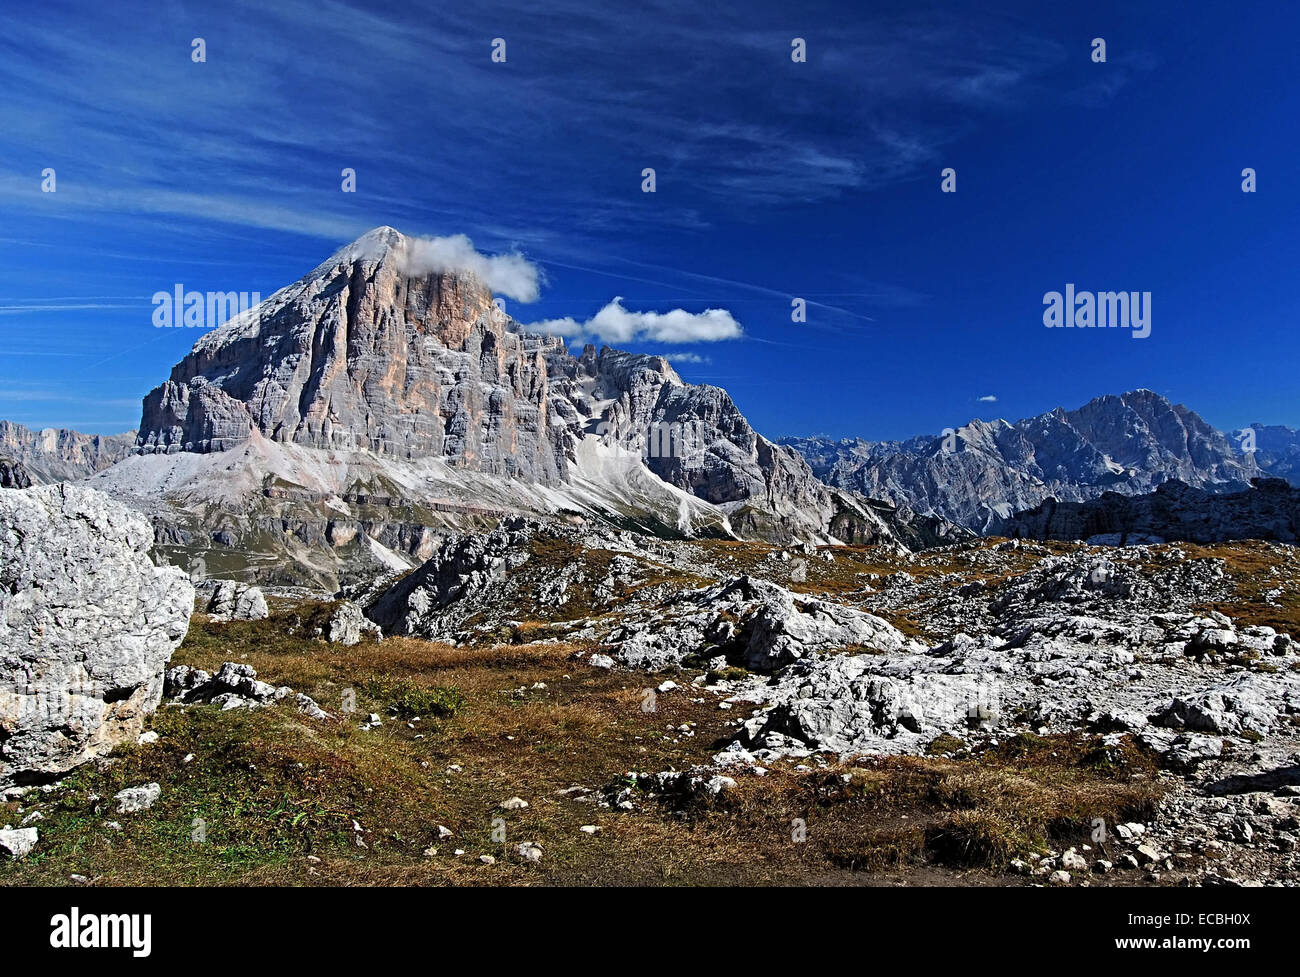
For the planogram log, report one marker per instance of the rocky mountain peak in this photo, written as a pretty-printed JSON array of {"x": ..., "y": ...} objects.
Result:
[{"x": 373, "y": 349}]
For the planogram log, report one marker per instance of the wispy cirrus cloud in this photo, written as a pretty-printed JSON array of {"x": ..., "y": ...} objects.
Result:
[{"x": 113, "y": 109}]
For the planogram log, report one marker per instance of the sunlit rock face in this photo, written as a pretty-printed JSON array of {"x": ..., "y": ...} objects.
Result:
[{"x": 359, "y": 355}]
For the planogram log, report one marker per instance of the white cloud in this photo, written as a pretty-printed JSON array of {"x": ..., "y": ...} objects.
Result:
[
  {"x": 567, "y": 327},
  {"x": 677, "y": 357},
  {"x": 511, "y": 275},
  {"x": 616, "y": 324},
  {"x": 988, "y": 399}
]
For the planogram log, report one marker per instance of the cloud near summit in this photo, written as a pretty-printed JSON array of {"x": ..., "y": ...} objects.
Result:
[
  {"x": 616, "y": 324},
  {"x": 511, "y": 275},
  {"x": 514, "y": 276}
]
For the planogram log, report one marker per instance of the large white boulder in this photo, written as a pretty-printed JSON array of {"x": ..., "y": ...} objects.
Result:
[{"x": 87, "y": 626}]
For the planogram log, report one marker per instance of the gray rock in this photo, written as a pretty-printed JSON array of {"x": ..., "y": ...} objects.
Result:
[
  {"x": 87, "y": 625},
  {"x": 18, "y": 842},
  {"x": 14, "y": 474},
  {"x": 754, "y": 622},
  {"x": 233, "y": 601},
  {"x": 235, "y": 686},
  {"x": 1225, "y": 709},
  {"x": 1147, "y": 855},
  {"x": 465, "y": 566},
  {"x": 1073, "y": 861},
  {"x": 347, "y": 625},
  {"x": 136, "y": 799},
  {"x": 857, "y": 703}
]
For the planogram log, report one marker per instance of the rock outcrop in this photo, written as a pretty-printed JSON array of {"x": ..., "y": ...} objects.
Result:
[
  {"x": 753, "y": 623},
  {"x": 18, "y": 842},
  {"x": 1085, "y": 641},
  {"x": 233, "y": 601},
  {"x": 464, "y": 567},
  {"x": 235, "y": 686},
  {"x": 349, "y": 626},
  {"x": 14, "y": 474},
  {"x": 87, "y": 625}
]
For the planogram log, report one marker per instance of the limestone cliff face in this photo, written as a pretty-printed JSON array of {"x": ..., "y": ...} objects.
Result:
[{"x": 359, "y": 355}]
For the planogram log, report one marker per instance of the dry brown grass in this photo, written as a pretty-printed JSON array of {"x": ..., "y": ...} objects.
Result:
[{"x": 274, "y": 787}]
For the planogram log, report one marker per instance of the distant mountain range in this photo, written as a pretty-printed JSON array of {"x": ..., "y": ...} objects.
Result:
[
  {"x": 986, "y": 471},
  {"x": 1277, "y": 450}
]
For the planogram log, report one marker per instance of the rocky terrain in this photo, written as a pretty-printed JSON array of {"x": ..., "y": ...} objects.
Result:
[
  {"x": 1126, "y": 715},
  {"x": 1003, "y": 640},
  {"x": 987, "y": 470}
]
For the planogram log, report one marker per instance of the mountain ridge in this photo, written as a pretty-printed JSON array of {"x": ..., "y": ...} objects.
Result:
[
  {"x": 54, "y": 454},
  {"x": 984, "y": 471}
]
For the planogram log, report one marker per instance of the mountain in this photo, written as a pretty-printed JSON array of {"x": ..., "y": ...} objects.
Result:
[
  {"x": 57, "y": 454},
  {"x": 1277, "y": 449},
  {"x": 359, "y": 412},
  {"x": 986, "y": 471}
]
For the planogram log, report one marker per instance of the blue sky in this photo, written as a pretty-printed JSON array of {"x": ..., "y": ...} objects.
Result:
[{"x": 775, "y": 179}]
